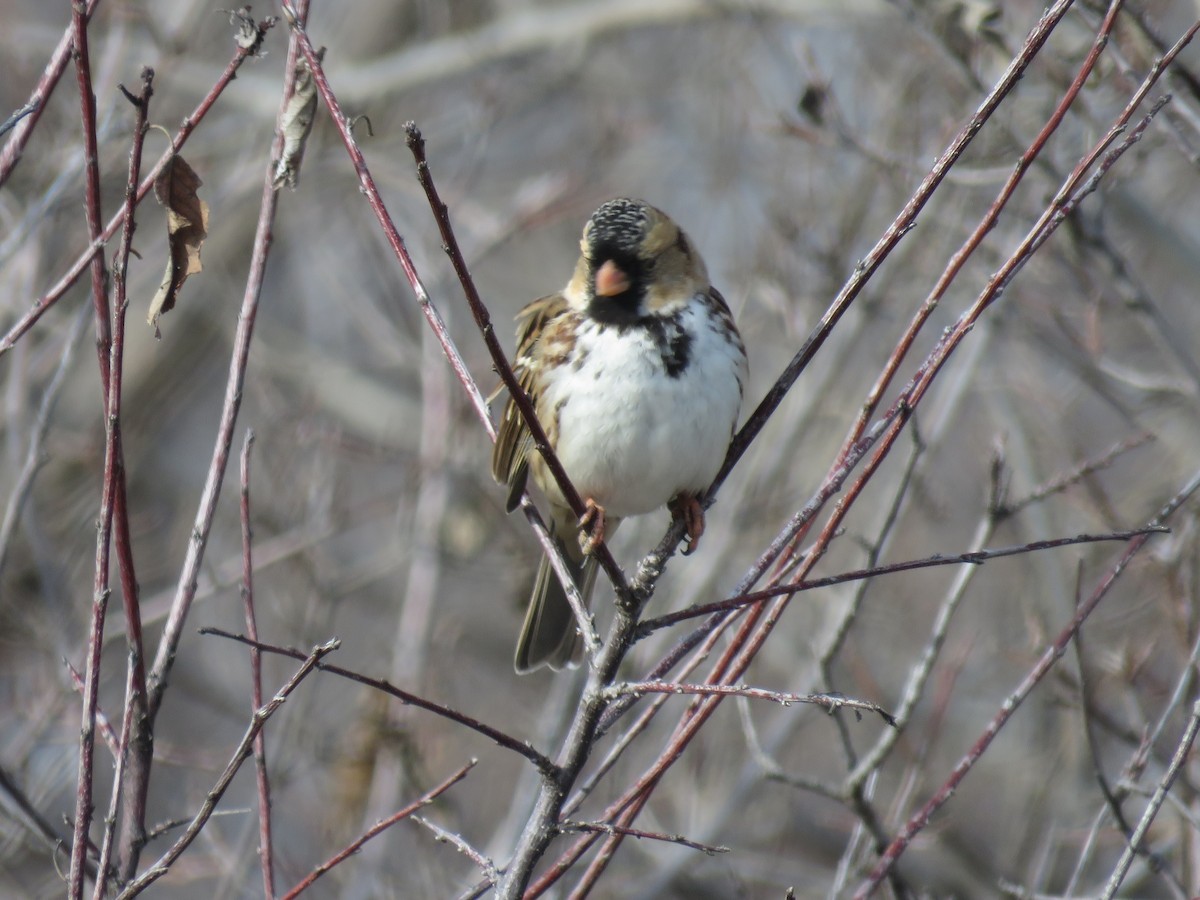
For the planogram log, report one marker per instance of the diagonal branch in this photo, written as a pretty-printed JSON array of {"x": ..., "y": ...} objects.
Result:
[
  {"x": 378, "y": 828},
  {"x": 1048, "y": 659},
  {"x": 543, "y": 763},
  {"x": 55, "y": 293},
  {"x": 53, "y": 73},
  {"x": 245, "y": 749}
]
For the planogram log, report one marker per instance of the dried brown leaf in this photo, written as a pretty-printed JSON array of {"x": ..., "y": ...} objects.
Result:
[
  {"x": 187, "y": 227},
  {"x": 296, "y": 124}
]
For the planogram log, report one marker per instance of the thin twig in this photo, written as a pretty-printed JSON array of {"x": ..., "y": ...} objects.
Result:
[
  {"x": 608, "y": 828},
  {"x": 41, "y": 425},
  {"x": 379, "y": 827},
  {"x": 84, "y": 779},
  {"x": 243, "y": 752},
  {"x": 442, "y": 836},
  {"x": 970, "y": 557},
  {"x": 483, "y": 319},
  {"x": 831, "y": 702},
  {"x": 132, "y": 805},
  {"x": 1064, "y": 481},
  {"x": 262, "y": 781},
  {"x": 36, "y": 104},
  {"x": 542, "y": 762},
  {"x": 64, "y": 283},
  {"x": 1034, "y": 677},
  {"x": 1134, "y": 845},
  {"x": 111, "y": 739},
  {"x": 11, "y": 122},
  {"x": 141, "y": 741}
]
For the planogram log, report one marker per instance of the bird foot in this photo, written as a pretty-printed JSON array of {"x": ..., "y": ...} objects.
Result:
[
  {"x": 591, "y": 524},
  {"x": 688, "y": 509}
]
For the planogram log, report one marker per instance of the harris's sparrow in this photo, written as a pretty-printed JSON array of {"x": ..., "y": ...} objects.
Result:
[{"x": 636, "y": 372}]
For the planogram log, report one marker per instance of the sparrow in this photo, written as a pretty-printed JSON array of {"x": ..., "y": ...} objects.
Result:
[{"x": 636, "y": 372}]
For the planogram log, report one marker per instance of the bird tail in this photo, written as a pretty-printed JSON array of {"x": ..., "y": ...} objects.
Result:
[{"x": 550, "y": 635}]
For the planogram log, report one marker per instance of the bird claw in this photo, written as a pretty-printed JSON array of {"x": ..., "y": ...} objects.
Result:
[
  {"x": 688, "y": 509},
  {"x": 591, "y": 524}
]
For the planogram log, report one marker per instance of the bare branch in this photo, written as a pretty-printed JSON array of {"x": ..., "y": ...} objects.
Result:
[
  {"x": 831, "y": 702},
  {"x": 341, "y": 856},
  {"x": 1051, "y": 656},
  {"x": 53, "y": 73},
  {"x": 243, "y": 752},
  {"x": 52, "y": 296},
  {"x": 542, "y": 762},
  {"x": 265, "y": 850},
  {"x": 442, "y": 836},
  {"x": 970, "y": 557},
  {"x": 606, "y": 828}
]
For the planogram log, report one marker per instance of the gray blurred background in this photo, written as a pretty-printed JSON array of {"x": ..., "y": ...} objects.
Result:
[{"x": 785, "y": 137}]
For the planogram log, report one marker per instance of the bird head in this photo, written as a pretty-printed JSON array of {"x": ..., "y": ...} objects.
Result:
[{"x": 635, "y": 263}]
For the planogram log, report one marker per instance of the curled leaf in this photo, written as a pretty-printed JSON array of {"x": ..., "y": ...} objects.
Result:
[
  {"x": 187, "y": 227},
  {"x": 296, "y": 124}
]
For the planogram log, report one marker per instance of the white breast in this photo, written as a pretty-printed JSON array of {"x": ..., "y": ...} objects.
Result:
[{"x": 630, "y": 436}]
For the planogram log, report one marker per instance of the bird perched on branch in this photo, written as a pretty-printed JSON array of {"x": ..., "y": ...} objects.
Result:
[{"x": 636, "y": 372}]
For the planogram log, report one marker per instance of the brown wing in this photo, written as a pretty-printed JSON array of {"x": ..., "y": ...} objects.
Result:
[{"x": 510, "y": 456}]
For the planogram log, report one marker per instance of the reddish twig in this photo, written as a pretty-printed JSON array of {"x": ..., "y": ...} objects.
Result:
[
  {"x": 91, "y": 197},
  {"x": 971, "y": 557},
  {"x": 84, "y": 786},
  {"x": 64, "y": 283},
  {"x": 483, "y": 319},
  {"x": 986, "y": 224},
  {"x": 243, "y": 752},
  {"x": 543, "y": 763},
  {"x": 132, "y": 837},
  {"x": 135, "y": 695},
  {"x": 111, "y": 739},
  {"x": 746, "y": 644},
  {"x": 52, "y": 74},
  {"x": 379, "y": 827},
  {"x": 344, "y": 124},
  {"x": 1047, "y": 661},
  {"x": 266, "y": 856},
  {"x": 901, "y": 225}
]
